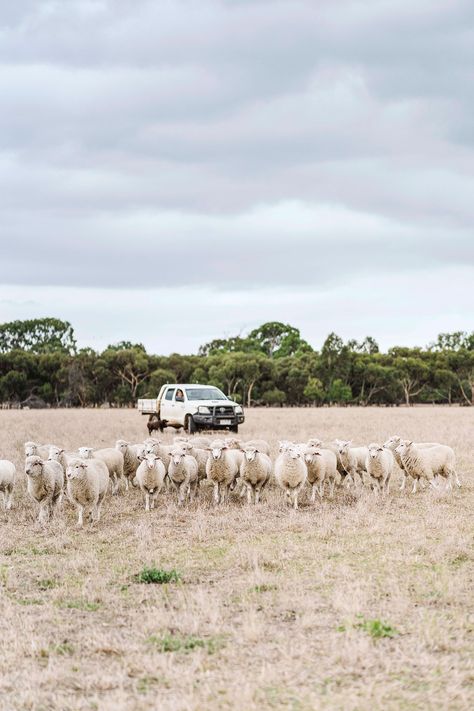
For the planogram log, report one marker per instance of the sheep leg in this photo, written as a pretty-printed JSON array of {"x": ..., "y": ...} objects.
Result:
[
  {"x": 44, "y": 512},
  {"x": 4, "y": 495},
  {"x": 404, "y": 481},
  {"x": 80, "y": 516},
  {"x": 257, "y": 495},
  {"x": 415, "y": 481},
  {"x": 313, "y": 493},
  {"x": 183, "y": 490},
  {"x": 456, "y": 478},
  {"x": 147, "y": 501},
  {"x": 152, "y": 502},
  {"x": 216, "y": 493},
  {"x": 321, "y": 489},
  {"x": 8, "y": 501},
  {"x": 332, "y": 486},
  {"x": 249, "y": 494}
]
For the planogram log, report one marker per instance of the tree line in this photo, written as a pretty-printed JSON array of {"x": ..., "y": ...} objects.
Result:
[{"x": 272, "y": 365}]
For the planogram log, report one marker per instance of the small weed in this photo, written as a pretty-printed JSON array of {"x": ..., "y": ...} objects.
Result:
[
  {"x": 178, "y": 643},
  {"x": 157, "y": 576},
  {"x": 264, "y": 588},
  {"x": 80, "y": 605},
  {"x": 65, "y": 649},
  {"x": 47, "y": 584},
  {"x": 145, "y": 682},
  {"x": 28, "y": 601},
  {"x": 376, "y": 628}
]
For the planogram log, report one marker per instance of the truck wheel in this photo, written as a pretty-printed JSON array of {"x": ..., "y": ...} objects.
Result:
[
  {"x": 190, "y": 425},
  {"x": 234, "y": 428}
]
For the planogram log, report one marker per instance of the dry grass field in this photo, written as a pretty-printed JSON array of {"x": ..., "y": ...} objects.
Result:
[{"x": 357, "y": 603}]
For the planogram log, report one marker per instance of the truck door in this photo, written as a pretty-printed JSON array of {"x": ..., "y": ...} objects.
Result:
[
  {"x": 167, "y": 405},
  {"x": 179, "y": 400}
]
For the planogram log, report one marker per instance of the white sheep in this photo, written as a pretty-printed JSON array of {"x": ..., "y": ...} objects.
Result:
[
  {"x": 428, "y": 463},
  {"x": 130, "y": 453},
  {"x": 150, "y": 476},
  {"x": 183, "y": 474},
  {"x": 32, "y": 449},
  {"x": 45, "y": 485},
  {"x": 200, "y": 455},
  {"x": 322, "y": 469},
  {"x": 392, "y": 443},
  {"x": 291, "y": 472},
  {"x": 113, "y": 460},
  {"x": 154, "y": 446},
  {"x": 87, "y": 484},
  {"x": 222, "y": 468},
  {"x": 7, "y": 482},
  {"x": 255, "y": 471},
  {"x": 352, "y": 460},
  {"x": 379, "y": 465}
]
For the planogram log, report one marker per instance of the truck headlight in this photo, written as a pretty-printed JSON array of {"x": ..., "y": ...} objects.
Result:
[
  {"x": 238, "y": 410},
  {"x": 203, "y": 410}
]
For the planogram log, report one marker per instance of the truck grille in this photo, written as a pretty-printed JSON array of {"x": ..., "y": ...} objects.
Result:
[{"x": 223, "y": 411}]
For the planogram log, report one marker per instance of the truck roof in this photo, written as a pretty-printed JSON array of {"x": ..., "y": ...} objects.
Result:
[{"x": 189, "y": 385}]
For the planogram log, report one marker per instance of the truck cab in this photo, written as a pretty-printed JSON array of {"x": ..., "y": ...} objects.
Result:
[{"x": 192, "y": 406}]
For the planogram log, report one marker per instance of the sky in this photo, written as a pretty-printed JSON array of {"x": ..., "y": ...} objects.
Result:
[{"x": 177, "y": 171}]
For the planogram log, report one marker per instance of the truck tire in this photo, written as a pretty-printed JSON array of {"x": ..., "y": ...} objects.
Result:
[
  {"x": 234, "y": 428},
  {"x": 190, "y": 425}
]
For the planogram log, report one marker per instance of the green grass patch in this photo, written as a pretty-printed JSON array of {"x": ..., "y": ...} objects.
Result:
[
  {"x": 157, "y": 576},
  {"x": 47, "y": 584},
  {"x": 80, "y": 605},
  {"x": 376, "y": 628},
  {"x": 264, "y": 588},
  {"x": 186, "y": 644}
]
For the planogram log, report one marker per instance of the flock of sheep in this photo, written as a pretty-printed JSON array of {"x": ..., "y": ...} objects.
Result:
[{"x": 226, "y": 464}]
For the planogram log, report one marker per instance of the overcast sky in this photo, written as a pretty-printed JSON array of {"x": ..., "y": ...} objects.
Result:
[{"x": 181, "y": 170}]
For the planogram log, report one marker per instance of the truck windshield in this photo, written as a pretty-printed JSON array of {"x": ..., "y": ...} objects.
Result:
[{"x": 205, "y": 394}]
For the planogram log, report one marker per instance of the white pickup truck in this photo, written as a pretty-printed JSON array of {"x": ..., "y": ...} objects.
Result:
[{"x": 193, "y": 407}]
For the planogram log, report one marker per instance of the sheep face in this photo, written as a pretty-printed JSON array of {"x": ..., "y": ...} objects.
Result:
[
  {"x": 294, "y": 453},
  {"x": 177, "y": 456},
  {"x": 374, "y": 450},
  {"x": 150, "y": 459},
  {"x": 342, "y": 445},
  {"x": 311, "y": 453},
  {"x": 30, "y": 449},
  {"x": 283, "y": 445},
  {"x": 216, "y": 451},
  {"x": 314, "y": 442},
  {"x": 55, "y": 453},
  {"x": 75, "y": 469},
  {"x": 393, "y": 442},
  {"x": 33, "y": 466},
  {"x": 85, "y": 452},
  {"x": 121, "y": 445},
  {"x": 250, "y": 453},
  {"x": 404, "y": 447}
]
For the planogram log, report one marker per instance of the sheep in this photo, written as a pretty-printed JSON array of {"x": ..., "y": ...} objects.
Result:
[
  {"x": 37, "y": 450},
  {"x": 291, "y": 472},
  {"x": 255, "y": 471},
  {"x": 131, "y": 461},
  {"x": 113, "y": 460},
  {"x": 392, "y": 443},
  {"x": 7, "y": 482},
  {"x": 322, "y": 467},
  {"x": 200, "y": 455},
  {"x": 352, "y": 459},
  {"x": 45, "y": 485},
  {"x": 428, "y": 463},
  {"x": 222, "y": 467},
  {"x": 183, "y": 473},
  {"x": 150, "y": 475},
  {"x": 87, "y": 484},
  {"x": 260, "y": 444},
  {"x": 379, "y": 465},
  {"x": 154, "y": 446}
]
